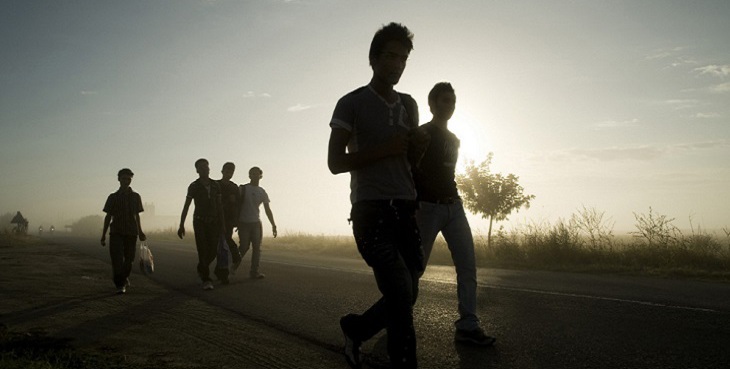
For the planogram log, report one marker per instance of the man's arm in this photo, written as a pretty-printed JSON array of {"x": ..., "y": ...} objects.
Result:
[
  {"x": 107, "y": 220},
  {"x": 270, "y": 215},
  {"x": 340, "y": 161},
  {"x": 142, "y": 236},
  {"x": 181, "y": 230}
]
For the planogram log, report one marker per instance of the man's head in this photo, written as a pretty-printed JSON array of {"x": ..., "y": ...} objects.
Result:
[
  {"x": 125, "y": 177},
  {"x": 202, "y": 168},
  {"x": 255, "y": 174},
  {"x": 442, "y": 101},
  {"x": 389, "y": 51},
  {"x": 228, "y": 170}
]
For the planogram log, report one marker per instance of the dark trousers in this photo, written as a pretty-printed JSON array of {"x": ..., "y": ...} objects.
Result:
[
  {"x": 388, "y": 240},
  {"x": 122, "y": 249},
  {"x": 207, "y": 235}
]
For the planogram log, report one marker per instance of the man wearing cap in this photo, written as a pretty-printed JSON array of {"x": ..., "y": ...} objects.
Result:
[{"x": 122, "y": 210}]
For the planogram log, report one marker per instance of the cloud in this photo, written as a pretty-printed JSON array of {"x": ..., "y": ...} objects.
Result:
[
  {"x": 299, "y": 107},
  {"x": 663, "y": 53},
  {"x": 609, "y": 124},
  {"x": 707, "y": 115},
  {"x": 721, "y": 88},
  {"x": 84, "y": 92},
  {"x": 251, "y": 95},
  {"x": 679, "y": 104},
  {"x": 721, "y": 71},
  {"x": 638, "y": 153}
]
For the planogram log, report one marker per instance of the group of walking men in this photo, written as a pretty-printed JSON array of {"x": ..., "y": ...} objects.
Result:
[
  {"x": 220, "y": 206},
  {"x": 403, "y": 193}
]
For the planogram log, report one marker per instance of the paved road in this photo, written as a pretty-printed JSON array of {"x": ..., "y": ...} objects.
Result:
[{"x": 540, "y": 319}]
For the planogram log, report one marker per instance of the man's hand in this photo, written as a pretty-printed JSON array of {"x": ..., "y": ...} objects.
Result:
[
  {"x": 142, "y": 236},
  {"x": 273, "y": 230},
  {"x": 181, "y": 232},
  {"x": 103, "y": 240}
]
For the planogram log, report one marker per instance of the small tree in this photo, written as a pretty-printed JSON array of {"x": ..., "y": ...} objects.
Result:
[{"x": 492, "y": 195}]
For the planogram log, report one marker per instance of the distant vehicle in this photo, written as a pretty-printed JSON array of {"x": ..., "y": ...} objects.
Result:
[
  {"x": 52, "y": 229},
  {"x": 40, "y": 230}
]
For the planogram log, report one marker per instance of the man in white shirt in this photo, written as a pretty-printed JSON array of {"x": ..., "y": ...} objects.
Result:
[{"x": 250, "y": 231}]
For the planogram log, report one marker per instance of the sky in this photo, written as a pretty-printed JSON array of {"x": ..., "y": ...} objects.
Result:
[{"x": 617, "y": 106}]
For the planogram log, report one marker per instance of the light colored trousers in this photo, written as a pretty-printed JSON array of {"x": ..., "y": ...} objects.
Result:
[
  {"x": 450, "y": 220},
  {"x": 250, "y": 236}
]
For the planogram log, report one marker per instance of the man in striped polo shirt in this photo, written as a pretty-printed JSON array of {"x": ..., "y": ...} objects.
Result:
[{"x": 122, "y": 210}]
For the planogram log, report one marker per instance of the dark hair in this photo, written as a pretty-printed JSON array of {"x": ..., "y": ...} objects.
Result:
[
  {"x": 200, "y": 161},
  {"x": 438, "y": 89},
  {"x": 391, "y": 32},
  {"x": 229, "y": 165},
  {"x": 255, "y": 169},
  {"x": 125, "y": 171}
]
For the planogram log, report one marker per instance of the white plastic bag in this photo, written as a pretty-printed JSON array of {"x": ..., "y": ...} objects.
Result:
[{"x": 146, "y": 260}]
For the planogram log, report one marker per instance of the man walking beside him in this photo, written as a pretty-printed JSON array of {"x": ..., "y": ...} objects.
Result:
[
  {"x": 370, "y": 136},
  {"x": 207, "y": 220},
  {"x": 230, "y": 201},
  {"x": 122, "y": 210},
  {"x": 250, "y": 229},
  {"x": 441, "y": 210}
]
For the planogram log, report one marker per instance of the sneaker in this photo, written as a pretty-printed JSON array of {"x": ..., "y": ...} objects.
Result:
[
  {"x": 207, "y": 285},
  {"x": 474, "y": 337},
  {"x": 352, "y": 346},
  {"x": 121, "y": 290},
  {"x": 258, "y": 276}
]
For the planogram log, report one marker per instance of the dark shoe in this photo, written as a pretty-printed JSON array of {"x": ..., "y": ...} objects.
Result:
[
  {"x": 257, "y": 276},
  {"x": 474, "y": 337},
  {"x": 121, "y": 290},
  {"x": 352, "y": 346}
]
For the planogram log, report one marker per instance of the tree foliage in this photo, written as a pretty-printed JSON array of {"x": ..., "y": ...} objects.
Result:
[{"x": 492, "y": 195}]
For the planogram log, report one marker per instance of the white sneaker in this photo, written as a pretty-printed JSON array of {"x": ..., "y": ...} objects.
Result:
[{"x": 207, "y": 285}]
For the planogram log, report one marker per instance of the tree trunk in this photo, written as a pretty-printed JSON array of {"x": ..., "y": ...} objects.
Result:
[{"x": 489, "y": 233}]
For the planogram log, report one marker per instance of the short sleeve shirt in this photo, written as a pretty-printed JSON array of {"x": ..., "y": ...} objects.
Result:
[
  {"x": 206, "y": 198},
  {"x": 435, "y": 175},
  {"x": 372, "y": 121},
  {"x": 252, "y": 200},
  {"x": 229, "y": 200},
  {"x": 123, "y": 206}
]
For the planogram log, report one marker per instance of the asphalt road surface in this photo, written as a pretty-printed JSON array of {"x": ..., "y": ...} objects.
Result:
[{"x": 540, "y": 319}]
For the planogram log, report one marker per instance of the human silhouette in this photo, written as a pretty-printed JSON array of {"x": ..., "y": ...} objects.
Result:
[
  {"x": 441, "y": 210},
  {"x": 371, "y": 137},
  {"x": 208, "y": 219},
  {"x": 250, "y": 231},
  {"x": 122, "y": 210}
]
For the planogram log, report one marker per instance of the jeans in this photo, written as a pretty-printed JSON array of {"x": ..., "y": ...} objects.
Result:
[
  {"x": 122, "y": 249},
  {"x": 250, "y": 236},
  {"x": 450, "y": 220},
  {"x": 387, "y": 237},
  {"x": 206, "y": 241}
]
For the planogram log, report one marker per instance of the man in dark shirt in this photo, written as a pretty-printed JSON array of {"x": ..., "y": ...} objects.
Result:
[
  {"x": 230, "y": 197},
  {"x": 207, "y": 219},
  {"x": 441, "y": 210},
  {"x": 122, "y": 210}
]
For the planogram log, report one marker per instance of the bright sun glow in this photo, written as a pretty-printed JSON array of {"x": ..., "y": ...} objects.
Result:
[{"x": 474, "y": 143}]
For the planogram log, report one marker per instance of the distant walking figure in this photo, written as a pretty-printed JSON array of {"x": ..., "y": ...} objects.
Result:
[
  {"x": 230, "y": 200},
  {"x": 122, "y": 210},
  {"x": 250, "y": 232},
  {"x": 207, "y": 220},
  {"x": 370, "y": 136},
  {"x": 441, "y": 210}
]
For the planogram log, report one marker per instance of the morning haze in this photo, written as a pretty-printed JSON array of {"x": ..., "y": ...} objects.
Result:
[{"x": 618, "y": 106}]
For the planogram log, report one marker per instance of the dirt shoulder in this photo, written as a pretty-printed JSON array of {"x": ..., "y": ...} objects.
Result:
[{"x": 52, "y": 291}]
